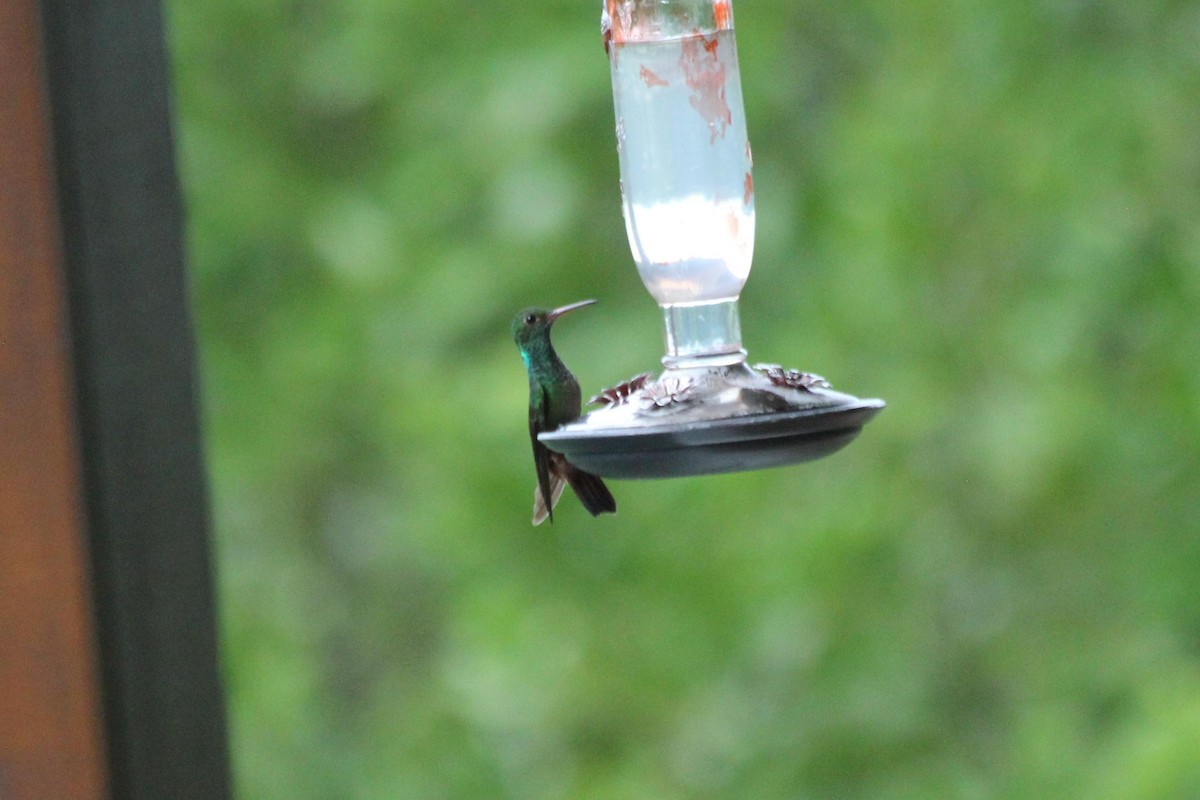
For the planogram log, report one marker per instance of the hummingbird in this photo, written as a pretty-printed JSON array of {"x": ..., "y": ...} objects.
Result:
[{"x": 554, "y": 399}]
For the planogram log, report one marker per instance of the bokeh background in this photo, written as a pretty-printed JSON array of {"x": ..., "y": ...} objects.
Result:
[{"x": 986, "y": 212}]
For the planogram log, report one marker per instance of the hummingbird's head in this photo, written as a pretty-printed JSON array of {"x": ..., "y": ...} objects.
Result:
[{"x": 534, "y": 323}]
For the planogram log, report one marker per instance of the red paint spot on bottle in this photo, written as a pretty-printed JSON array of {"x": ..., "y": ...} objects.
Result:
[
  {"x": 650, "y": 79},
  {"x": 723, "y": 11},
  {"x": 613, "y": 27},
  {"x": 705, "y": 76},
  {"x": 732, "y": 223},
  {"x": 749, "y": 190}
]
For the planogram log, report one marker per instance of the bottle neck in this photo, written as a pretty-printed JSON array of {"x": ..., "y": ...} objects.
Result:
[{"x": 703, "y": 335}]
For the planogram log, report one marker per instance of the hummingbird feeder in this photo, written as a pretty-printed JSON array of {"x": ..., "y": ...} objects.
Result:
[{"x": 688, "y": 197}]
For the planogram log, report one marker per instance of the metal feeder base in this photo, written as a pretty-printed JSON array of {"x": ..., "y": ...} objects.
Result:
[{"x": 702, "y": 421}]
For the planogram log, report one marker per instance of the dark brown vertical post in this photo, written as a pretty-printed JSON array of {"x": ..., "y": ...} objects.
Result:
[
  {"x": 50, "y": 725},
  {"x": 109, "y": 686}
]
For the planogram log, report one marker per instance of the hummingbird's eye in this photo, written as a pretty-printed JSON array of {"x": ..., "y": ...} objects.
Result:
[{"x": 530, "y": 319}]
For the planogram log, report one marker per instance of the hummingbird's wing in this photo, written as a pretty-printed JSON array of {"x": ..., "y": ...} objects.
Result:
[
  {"x": 541, "y": 455},
  {"x": 541, "y": 509}
]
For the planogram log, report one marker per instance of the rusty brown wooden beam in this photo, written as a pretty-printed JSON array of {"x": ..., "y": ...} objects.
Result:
[
  {"x": 50, "y": 705},
  {"x": 109, "y": 683}
]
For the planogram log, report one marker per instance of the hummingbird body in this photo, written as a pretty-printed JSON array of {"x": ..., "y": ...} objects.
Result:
[{"x": 554, "y": 399}]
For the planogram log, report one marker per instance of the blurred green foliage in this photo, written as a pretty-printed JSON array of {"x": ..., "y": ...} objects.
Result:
[{"x": 986, "y": 212}]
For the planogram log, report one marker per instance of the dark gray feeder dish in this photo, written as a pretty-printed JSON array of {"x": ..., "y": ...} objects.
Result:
[{"x": 702, "y": 421}]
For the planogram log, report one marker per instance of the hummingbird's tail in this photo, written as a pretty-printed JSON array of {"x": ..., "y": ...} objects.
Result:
[{"x": 591, "y": 491}]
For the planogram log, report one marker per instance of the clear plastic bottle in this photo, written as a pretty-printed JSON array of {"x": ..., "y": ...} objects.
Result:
[{"x": 686, "y": 181}]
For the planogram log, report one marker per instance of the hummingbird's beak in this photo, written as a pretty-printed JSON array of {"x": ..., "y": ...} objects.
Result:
[{"x": 558, "y": 312}]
